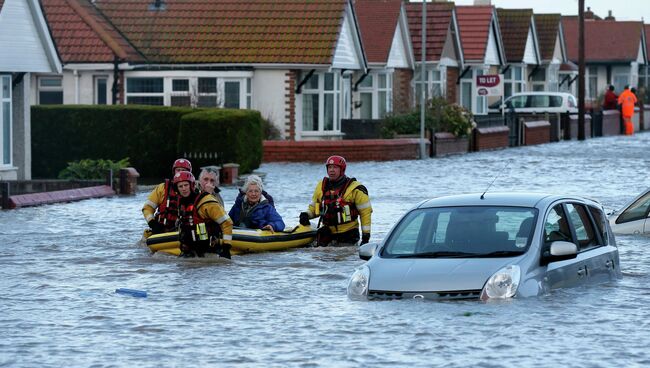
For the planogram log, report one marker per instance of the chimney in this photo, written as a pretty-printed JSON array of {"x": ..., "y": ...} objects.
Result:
[
  {"x": 482, "y": 2},
  {"x": 610, "y": 16},
  {"x": 589, "y": 14}
]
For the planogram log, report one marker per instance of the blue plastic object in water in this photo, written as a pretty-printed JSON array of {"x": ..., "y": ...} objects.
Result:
[{"x": 132, "y": 292}]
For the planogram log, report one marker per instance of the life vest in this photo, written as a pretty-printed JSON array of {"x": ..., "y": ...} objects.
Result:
[
  {"x": 193, "y": 226},
  {"x": 335, "y": 209},
  {"x": 167, "y": 211}
]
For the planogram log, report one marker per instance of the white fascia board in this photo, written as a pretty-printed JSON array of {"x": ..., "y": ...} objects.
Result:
[
  {"x": 495, "y": 27},
  {"x": 46, "y": 37},
  {"x": 459, "y": 45},
  {"x": 448, "y": 62},
  {"x": 231, "y": 65},
  {"x": 560, "y": 34},
  {"x": 400, "y": 55},
  {"x": 87, "y": 66},
  {"x": 348, "y": 53},
  {"x": 190, "y": 73},
  {"x": 533, "y": 31}
]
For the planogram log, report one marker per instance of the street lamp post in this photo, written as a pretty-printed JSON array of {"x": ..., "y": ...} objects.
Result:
[
  {"x": 581, "y": 70},
  {"x": 423, "y": 79}
]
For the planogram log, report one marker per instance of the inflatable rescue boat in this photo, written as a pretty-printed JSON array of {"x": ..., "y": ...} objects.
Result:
[{"x": 243, "y": 240}]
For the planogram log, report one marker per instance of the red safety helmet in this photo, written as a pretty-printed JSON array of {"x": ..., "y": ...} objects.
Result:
[
  {"x": 182, "y": 163},
  {"x": 184, "y": 176},
  {"x": 337, "y": 161}
]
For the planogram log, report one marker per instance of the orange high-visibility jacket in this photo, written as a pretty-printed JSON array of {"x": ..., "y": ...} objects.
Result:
[{"x": 627, "y": 100}]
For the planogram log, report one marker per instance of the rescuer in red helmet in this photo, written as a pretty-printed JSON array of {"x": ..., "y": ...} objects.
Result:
[
  {"x": 204, "y": 226},
  {"x": 340, "y": 203},
  {"x": 161, "y": 207}
]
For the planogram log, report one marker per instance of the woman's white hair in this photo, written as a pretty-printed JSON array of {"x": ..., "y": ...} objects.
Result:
[{"x": 252, "y": 179}]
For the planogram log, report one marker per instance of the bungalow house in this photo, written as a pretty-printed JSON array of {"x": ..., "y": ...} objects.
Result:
[
  {"x": 483, "y": 52},
  {"x": 93, "y": 53},
  {"x": 26, "y": 48},
  {"x": 553, "y": 52},
  {"x": 520, "y": 43},
  {"x": 296, "y": 62},
  {"x": 644, "y": 71},
  {"x": 387, "y": 44},
  {"x": 614, "y": 53},
  {"x": 444, "y": 55}
]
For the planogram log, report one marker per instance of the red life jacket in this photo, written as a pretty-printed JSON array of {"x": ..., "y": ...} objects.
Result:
[
  {"x": 167, "y": 211},
  {"x": 189, "y": 218},
  {"x": 335, "y": 210}
]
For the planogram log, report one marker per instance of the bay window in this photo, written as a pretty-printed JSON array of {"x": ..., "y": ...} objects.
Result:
[
  {"x": 5, "y": 120},
  {"x": 321, "y": 96}
]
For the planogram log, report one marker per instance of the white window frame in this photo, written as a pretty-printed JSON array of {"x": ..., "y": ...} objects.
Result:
[
  {"x": 469, "y": 82},
  {"x": 535, "y": 84},
  {"x": 6, "y": 102},
  {"x": 42, "y": 88},
  {"x": 591, "y": 75},
  {"x": 510, "y": 79},
  {"x": 245, "y": 87},
  {"x": 320, "y": 92},
  {"x": 431, "y": 81}
]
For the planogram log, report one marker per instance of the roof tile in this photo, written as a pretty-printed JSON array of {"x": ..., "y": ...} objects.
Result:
[
  {"x": 439, "y": 17},
  {"x": 605, "y": 40},
  {"x": 547, "y": 26},
  {"x": 377, "y": 21},
  {"x": 474, "y": 24},
  {"x": 514, "y": 26}
]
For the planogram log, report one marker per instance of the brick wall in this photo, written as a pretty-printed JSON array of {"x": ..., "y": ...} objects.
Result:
[
  {"x": 402, "y": 91},
  {"x": 537, "y": 132},
  {"x": 290, "y": 105},
  {"x": 452, "y": 77},
  {"x": 447, "y": 144},
  {"x": 490, "y": 138},
  {"x": 611, "y": 122},
  {"x": 352, "y": 150},
  {"x": 573, "y": 129}
]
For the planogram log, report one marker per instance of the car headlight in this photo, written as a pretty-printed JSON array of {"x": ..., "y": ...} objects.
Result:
[
  {"x": 358, "y": 285},
  {"x": 503, "y": 284}
]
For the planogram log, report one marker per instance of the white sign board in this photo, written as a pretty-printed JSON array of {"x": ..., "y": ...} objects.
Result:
[{"x": 489, "y": 85}]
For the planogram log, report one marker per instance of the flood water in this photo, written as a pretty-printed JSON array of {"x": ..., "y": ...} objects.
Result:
[{"x": 60, "y": 265}]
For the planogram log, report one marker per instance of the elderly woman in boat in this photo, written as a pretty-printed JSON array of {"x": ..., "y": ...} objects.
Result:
[{"x": 253, "y": 210}]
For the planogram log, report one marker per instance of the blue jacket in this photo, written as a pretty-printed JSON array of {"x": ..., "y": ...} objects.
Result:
[{"x": 257, "y": 217}]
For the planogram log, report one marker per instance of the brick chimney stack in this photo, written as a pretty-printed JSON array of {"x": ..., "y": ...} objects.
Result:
[{"x": 610, "y": 16}]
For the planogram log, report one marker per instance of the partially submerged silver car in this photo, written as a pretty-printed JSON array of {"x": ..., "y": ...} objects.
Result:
[
  {"x": 633, "y": 217},
  {"x": 495, "y": 246}
]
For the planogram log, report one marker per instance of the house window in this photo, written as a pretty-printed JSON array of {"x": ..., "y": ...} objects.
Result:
[
  {"x": 468, "y": 98},
  {"x": 365, "y": 96},
  {"x": 249, "y": 93},
  {"x": 231, "y": 94},
  {"x": 481, "y": 101},
  {"x": 5, "y": 118},
  {"x": 50, "y": 91},
  {"x": 145, "y": 91},
  {"x": 320, "y": 101},
  {"x": 644, "y": 79},
  {"x": 553, "y": 73},
  {"x": 592, "y": 83},
  {"x": 435, "y": 82},
  {"x": 208, "y": 93},
  {"x": 101, "y": 90},
  {"x": 620, "y": 78},
  {"x": 180, "y": 95},
  {"x": 513, "y": 81}
]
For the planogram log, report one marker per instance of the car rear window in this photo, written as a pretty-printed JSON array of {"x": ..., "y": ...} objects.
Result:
[{"x": 462, "y": 231}]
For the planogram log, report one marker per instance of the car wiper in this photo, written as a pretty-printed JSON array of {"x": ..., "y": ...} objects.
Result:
[
  {"x": 445, "y": 254},
  {"x": 499, "y": 253}
]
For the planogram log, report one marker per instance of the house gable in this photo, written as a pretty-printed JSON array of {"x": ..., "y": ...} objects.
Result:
[
  {"x": 640, "y": 59},
  {"x": 450, "y": 52},
  {"x": 439, "y": 18},
  {"x": 349, "y": 53},
  {"x": 400, "y": 55},
  {"x": 25, "y": 39},
  {"x": 558, "y": 55},
  {"x": 492, "y": 49},
  {"x": 530, "y": 52}
]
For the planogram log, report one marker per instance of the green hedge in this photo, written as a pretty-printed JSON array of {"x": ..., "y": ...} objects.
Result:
[
  {"x": 148, "y": 135},
  {"x": 222, "y": 136}
]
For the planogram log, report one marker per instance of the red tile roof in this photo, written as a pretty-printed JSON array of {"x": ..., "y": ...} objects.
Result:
[
  {"x": 474, "y": 24},
  {"x": 439, "y": 16},
  {"x": 1, "y": 3},
  {"x": 605, "y": 41},
  {"x": 647, "y": 40},
  {"x": 547, "y": 27},
  {"x": 514, "y": 25},
  {"x": 230, "y": 31},
  {"x": 377, "y": 21},
  {"x": 82, "y": 35}
]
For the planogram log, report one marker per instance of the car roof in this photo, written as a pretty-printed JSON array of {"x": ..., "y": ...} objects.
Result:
[
  {"x": 524, "y": 199},
  {"x": 542, "y": 93}
]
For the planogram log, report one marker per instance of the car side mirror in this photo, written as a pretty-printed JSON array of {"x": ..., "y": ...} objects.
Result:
[
  {"x": 559, "y": 251},
  {"x": 368, "y": 250}
]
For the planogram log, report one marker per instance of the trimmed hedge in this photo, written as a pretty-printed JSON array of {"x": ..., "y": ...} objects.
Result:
[
  {"x": 223, "y": 136},
  {"x": 148, "y": 135}
]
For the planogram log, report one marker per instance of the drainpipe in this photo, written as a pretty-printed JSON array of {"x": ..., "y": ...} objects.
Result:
[{"x": 75, "y": 72}]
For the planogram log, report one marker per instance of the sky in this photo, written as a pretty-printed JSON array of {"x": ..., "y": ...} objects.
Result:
[{"x": 621, "y": 10}]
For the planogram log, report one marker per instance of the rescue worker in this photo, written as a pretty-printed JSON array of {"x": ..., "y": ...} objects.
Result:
[
  {"x": 627, "y": 100},
  {"x": 209, "y": 182},
  {"x": 340, "y": 203},
  {"x": 204, "y": 226},
  {"x": 160, "y": 210}
]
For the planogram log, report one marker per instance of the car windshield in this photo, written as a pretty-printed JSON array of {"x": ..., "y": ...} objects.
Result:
[{"x": 462, "y": 232}]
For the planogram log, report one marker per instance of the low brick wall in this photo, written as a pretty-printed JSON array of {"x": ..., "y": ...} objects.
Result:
[
  {"x": 573, "y": 121},
  {"x": 611, "y": 122},
  {"x": 490, "y": 138},
  {"x": 352, "y": 150},
  {"x": 537, "y": 132},
  {"x": 448, "y": 144},
  {"x": 68, "y": 195},
  {"x": 646, "y": 117}
]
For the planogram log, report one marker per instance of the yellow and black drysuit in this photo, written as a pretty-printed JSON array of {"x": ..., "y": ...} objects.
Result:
[
  {"x": 160, "y": 210},
  {"x": 204, "y": 226},
  {"x": 339, "y": 206}
]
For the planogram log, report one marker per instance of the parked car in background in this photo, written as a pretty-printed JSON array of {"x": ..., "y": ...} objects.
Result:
[
  {"x": 632, "y": 218},
  {"x": 537, "y": 102},
  {"x": 492, "y": 246}
]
